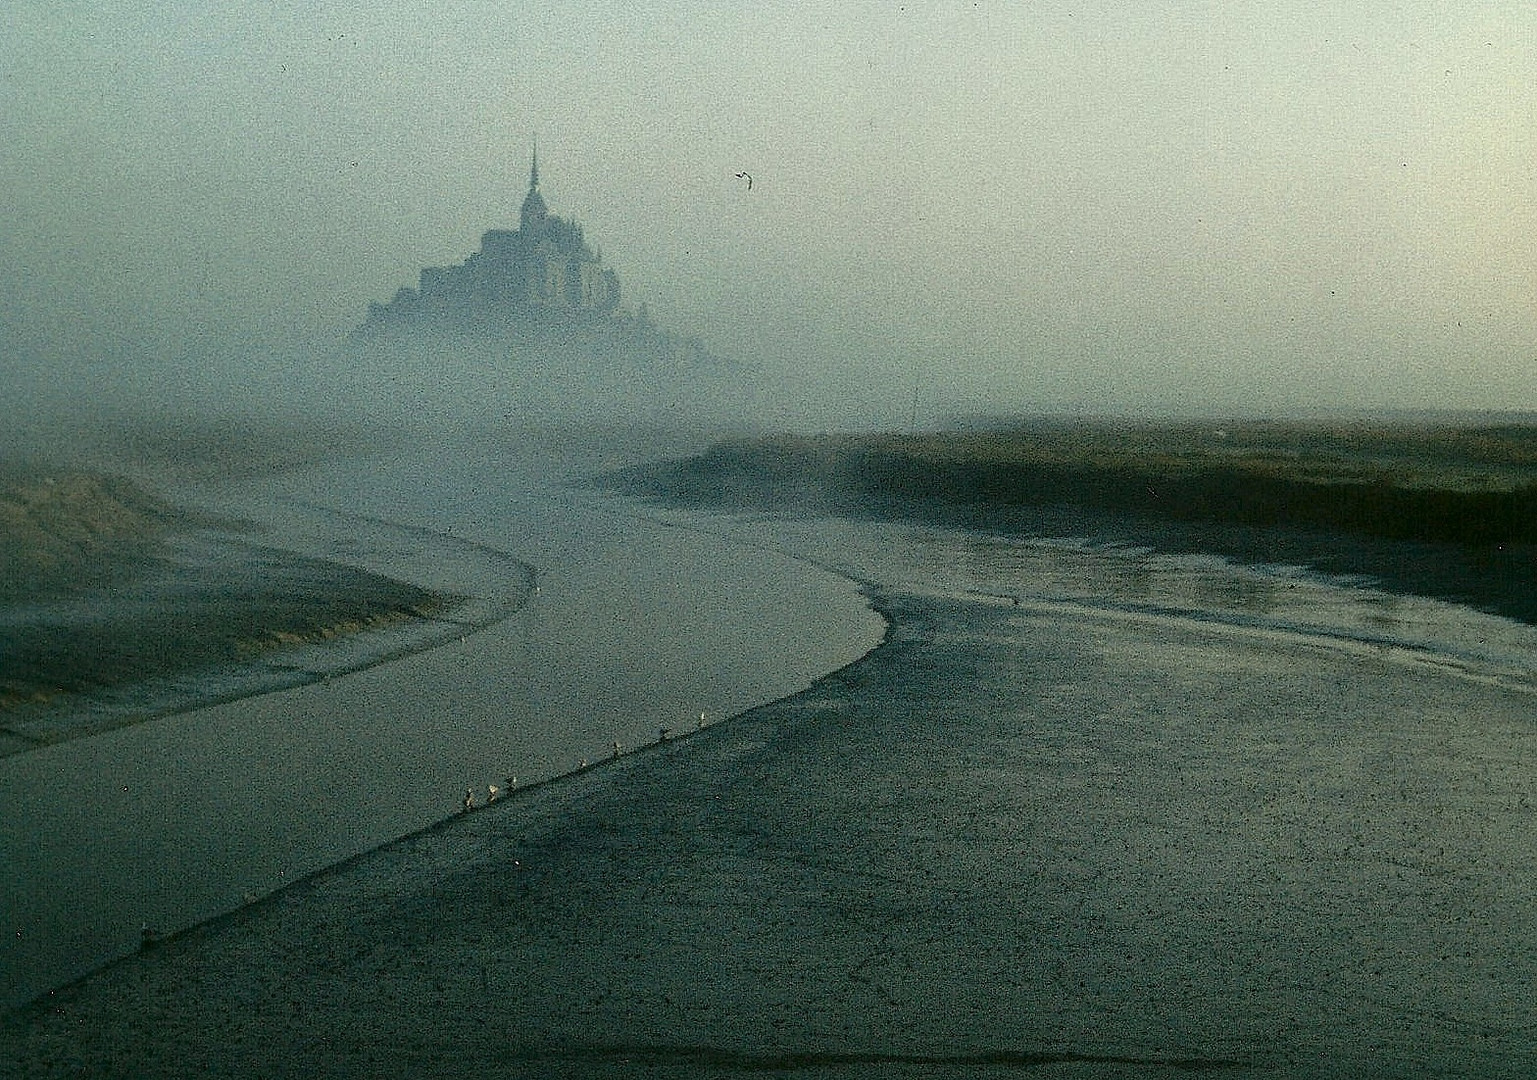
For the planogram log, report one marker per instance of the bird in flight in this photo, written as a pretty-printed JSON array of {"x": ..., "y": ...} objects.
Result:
[{"x": 744, "y": 176}]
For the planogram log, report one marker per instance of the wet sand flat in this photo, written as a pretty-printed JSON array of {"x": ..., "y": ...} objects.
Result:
[{"x": 990, "y": 846}]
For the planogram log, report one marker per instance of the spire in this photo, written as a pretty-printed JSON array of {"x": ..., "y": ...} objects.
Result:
[{"x": 533, "y": 215}]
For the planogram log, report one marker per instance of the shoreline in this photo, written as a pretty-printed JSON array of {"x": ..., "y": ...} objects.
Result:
[
  {"x": 533, "y": 791},
  {"x": 258, "y": 619},
  {"x": 874, "y": 874},
  {"x": 397, "y": 743},
  {"x": 849, "y": 884},
  {"x": 1498, "y": 579},
  {"x": 536, "y": 792}
]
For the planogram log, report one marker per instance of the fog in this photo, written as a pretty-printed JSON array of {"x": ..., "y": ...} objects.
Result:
[{"x": 954, "y": 206}]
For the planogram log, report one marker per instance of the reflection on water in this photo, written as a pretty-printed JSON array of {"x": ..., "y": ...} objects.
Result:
[
  {"x": 1081, "y": 575},
  {"x": 634, "y": 626},
  {"x": 643, "y": 619},
  {"x": 195, "y": 626}
]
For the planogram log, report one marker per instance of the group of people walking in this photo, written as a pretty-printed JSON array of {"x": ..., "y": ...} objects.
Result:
[{"x": 493, "y": 792}]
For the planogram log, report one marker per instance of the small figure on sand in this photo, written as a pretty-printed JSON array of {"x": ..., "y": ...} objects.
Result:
[
  {"x": 616, "y": 747},
  {"x": 469, "y": 800},
  {"x": 493, "y": 793},
  {"x": 663, "y": 736}
]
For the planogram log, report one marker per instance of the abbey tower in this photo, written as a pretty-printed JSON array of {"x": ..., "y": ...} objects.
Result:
[{"x": 543, "y": 272}]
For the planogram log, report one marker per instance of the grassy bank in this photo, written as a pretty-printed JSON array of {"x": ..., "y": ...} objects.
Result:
[
  {"x": 1441, "y": 510},
  {"x": 102, "y": 585},
  {"x": 169, "y": 618},
  {"x": 61, "y": 528}
]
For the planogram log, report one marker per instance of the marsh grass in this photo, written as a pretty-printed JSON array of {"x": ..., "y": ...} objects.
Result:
[
  {"x": 103, "y": 584},
  {"x": 61, "y": 528},
  {"x": 1443, "y": 511},
  {"x": 1451, "y": 485}
]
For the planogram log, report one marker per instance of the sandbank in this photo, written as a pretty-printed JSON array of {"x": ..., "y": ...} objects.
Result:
[{"x": 190, "y": 615}]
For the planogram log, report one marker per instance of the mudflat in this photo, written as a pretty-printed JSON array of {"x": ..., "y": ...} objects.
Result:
[
  {"x": 1021, "y": 835},
  {"x": 1431, "y": 508},
  {"x": 981, "y": 850}
]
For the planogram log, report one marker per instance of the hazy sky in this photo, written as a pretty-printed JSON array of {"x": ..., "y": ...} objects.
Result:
[{"x": 1086, "y": 203}]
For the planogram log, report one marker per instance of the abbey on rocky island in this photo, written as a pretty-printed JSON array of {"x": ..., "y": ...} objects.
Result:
[{"x": 543, "y": 272}]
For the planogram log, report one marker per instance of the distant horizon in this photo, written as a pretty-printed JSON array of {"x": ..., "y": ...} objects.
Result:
[{"x": 1075, "y": 208}]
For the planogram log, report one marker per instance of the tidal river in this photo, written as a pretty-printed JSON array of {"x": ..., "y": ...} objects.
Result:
[
  {"x": 1200, "y": 760},
  {"x": 633, "y": 626}
]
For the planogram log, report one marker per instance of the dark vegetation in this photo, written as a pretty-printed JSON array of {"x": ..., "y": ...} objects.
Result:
[
  {"x": 58, "y": 528},
  {"x": 172, "y": 618},
  {"x": 103, "y": 584},
  {"x": 1438, "y": 509},
  {"x": 1466, "y": 487}
]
